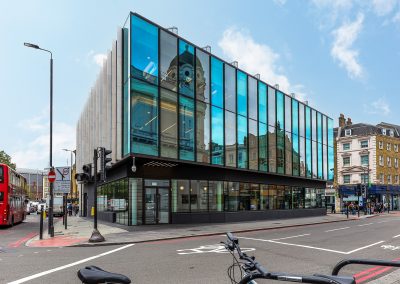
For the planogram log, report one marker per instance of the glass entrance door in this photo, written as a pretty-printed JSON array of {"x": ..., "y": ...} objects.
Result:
[{"x": 157, "y": 205}]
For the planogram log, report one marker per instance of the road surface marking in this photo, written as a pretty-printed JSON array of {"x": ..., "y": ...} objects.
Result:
[
  {"x": 291, "y": 237},
  {"x": 311, "y": 247},
  {"x": 29, "y": 278},
  {"x": 354, "y": 250},
  {"x": 383, "y": 221},
  {"x": 365, "y": 224},
  {"x": 396, "y": 236},
  {"x": 209, "y": 248},
  {"x": 295, "y": 245},
  {"x": 344, "y": 228}
]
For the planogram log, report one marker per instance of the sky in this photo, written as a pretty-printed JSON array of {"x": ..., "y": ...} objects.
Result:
[{"x": 342, "y": 56}]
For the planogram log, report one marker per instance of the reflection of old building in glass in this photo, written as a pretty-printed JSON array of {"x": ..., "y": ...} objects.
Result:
[
  {"x": 208, "y": 139},
  {"x": 34, "y": 180}
]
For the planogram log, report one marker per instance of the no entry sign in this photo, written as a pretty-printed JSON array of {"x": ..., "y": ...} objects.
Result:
[{"x": 51, "y": 176}]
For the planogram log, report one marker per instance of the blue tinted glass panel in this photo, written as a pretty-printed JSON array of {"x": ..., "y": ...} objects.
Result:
[
  {"x": 168, "y": 124},
  {"x": 217, "y": 135},
  {"x": 230, "y": 139},
  {"x": 330, "y": 148},
  {"x": 186, "y": 130},
  {"x": 288, "y": 114},
  {"x": 168, "y": 62},
  {"x": 144, "y": 118},
  {"x": 262, "y": 102},
  {"x": 271, "y": 149},
  {"x": 314, "y": 159},
  {"x": 280, "y": 111},
  {"x": 144, "y": 50},
  {"x": 253, "y": 145},
  {"x": 186, "y": 69},
  {"x": 314, "y": 125},
  {"x": 262, "y": 147},
  {"x": 217, "y": 81},
  {"x": 230, "y": 88},
  {"x": 288, "y": 153},
  {"x": 202, "y": 76},
  {"x": 253, "y": 108},
  {"x": 308, "y": 158},
  {"x": 302, "y": 122},
  {"x": 126, "y": 148},
  {"x": 241, "y": 93},
  {"x": 308, "y": 123},
  {"x": 319, "y": 138},
  {"x": 242, "y": 141},
  {"x": 203, "y": 131},
  {"x": 302, "y": 150},
  {"x": 296, "y": 157},
  {"x": 295, "y": 117},
  {"x": 271, "y": 107}
]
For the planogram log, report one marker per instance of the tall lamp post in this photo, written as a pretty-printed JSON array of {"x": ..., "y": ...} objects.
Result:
[
  {"x": 51, "y": 224},
  {"x": 72, "y": 152}
]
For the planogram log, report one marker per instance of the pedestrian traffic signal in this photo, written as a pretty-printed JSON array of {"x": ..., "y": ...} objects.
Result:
[
  {"x": 104, "y": 160},
  {"x": 363, "y": 189}
]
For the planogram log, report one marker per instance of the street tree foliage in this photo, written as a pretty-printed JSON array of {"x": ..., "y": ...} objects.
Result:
[{"x": 6, "y": 159}]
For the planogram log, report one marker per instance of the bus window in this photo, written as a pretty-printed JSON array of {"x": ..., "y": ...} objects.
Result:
[
  {"x": 1, "y": 174},
  {"x": 1, "y": 196}
]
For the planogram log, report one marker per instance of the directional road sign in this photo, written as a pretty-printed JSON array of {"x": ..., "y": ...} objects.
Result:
[{"x": 63, "y": 180}]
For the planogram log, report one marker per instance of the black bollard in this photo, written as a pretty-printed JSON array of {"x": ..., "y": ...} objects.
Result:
[
  {"x": 41, "y": 224},
  {"x": 347, "y": 211}
]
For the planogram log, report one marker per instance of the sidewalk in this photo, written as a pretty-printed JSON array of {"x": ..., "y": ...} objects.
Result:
[{"x": 80, "y": 229}]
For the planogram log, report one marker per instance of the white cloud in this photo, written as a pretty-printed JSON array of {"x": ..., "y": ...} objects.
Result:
[
  {"x": 99, "y": 58},
  {"x": 396, "y": 18},
  {"x": 383, "y": 7},
  {"x": 342, "y": 49},
  {"x": 35, "y": 152},
  {"x": 253, "y": 57},
  {"x": 330, "y": 10},
  {"x": 380, "y": 106}
]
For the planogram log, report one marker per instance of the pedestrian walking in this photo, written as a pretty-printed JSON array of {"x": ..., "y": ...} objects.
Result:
[
  {"x": 76, "y": 209},
  {"x": 69, "y": 208}
]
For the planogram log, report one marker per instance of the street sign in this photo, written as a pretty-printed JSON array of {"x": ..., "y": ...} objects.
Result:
[
  {"x": 63, "y": 180},
  {"x": 51, "y": 176}
]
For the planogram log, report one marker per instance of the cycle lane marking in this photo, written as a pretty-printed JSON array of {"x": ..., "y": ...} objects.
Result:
[
  {"x": 344, "y": 228},
  {"x": 37, "y": 275},
  {"x": 365, "y": 224},
  {"x": 290, "y": 237},
  {"x": 311, "y": 247}
]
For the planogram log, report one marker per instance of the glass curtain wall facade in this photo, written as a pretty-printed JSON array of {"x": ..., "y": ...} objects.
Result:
[{"x": 186, "y": 104}]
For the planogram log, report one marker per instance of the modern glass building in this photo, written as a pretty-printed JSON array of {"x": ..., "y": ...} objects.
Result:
[{"x": 196, "y": 139}]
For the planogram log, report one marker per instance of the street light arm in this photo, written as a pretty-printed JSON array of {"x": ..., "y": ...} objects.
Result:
[{"x": 51, "y": 54}]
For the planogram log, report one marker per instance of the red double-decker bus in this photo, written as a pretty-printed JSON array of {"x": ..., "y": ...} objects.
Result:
[{"x": 12, "y": 196}]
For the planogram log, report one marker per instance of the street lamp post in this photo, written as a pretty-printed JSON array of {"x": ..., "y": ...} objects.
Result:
[
  {"x": 51, "y": 224},
  {"x": 71, "y": 190}
]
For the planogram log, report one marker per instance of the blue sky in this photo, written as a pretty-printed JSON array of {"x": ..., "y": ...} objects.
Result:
[{"x": 342, "y": 56}]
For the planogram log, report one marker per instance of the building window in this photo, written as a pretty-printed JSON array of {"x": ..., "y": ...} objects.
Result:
[
  {"x": 364, "y": 178},
  {"x": 346, "y": 146},
  {"x": 391, "y": 133},
  {"x": 380, "y": 144},
  {"x": 381, "y": 163},
  {"x": 347, "y": 132},
  {"x": 217, "y": 135},
  {"x": 230, "y": 139},
  {"x": 241, "y": 93},
  {"x": 396, "y": 179},
  {"x": 389, "y": 161},
  {"x": 346, "y": 161},
  {"x": 242, "y": 142},
  {"x": 217, "y": 82},
  {"x": 389, "y": 179},
  {"x": 364, "y": 144},
  {"x": 168, "y": 62},
  {"x": 388, "y": 146},
  {"x": 202, "y": 76},
  {"x": 186, "y": 69},
  {"x": 396, "y": 147},
  {"x": 364, "y": 160},
  {"x": 381, "y": 178},
  {"x": 186, "y": 128},
  {"x": 203, "y": 131},
  {"x": 396, "y": 162},
  {"x": 346, "y": 179},
  {"x": 384, "y": 131},
  {"x": 230, "y": 88},
  {"x": 168, "y": 124}
]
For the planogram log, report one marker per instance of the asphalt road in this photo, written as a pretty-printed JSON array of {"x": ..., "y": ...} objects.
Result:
[{"x": 303, "y": 250}]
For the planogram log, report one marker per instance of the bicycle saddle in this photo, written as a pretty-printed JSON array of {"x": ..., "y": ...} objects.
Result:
[
  {"x": 338, "y": 279},
  {"x": 94, "y": 275}
]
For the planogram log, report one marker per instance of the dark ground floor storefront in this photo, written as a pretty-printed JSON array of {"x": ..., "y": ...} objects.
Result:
[{"x": 171, "y": 193}]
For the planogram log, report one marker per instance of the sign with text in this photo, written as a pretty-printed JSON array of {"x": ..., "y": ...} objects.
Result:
[{"x": 63, "y": 180}]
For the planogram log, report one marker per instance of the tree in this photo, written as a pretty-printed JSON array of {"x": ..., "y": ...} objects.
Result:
[{"x": 6, "y": 159}]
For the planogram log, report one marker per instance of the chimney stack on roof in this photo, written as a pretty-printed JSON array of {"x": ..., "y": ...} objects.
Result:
[
  {"x": 342, "y": 120},
  {"x": 349, "y": 121}
]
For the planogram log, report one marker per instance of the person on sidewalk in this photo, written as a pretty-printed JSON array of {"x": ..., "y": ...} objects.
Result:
[
  {"x": 76, "y": 209},
  {"x": 69, "y": 208},
  {"x": 333, "y": 210}
]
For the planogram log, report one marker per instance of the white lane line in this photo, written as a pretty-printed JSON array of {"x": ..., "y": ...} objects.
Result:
[
  {"x": 67, "y": 265},
  {"x": 295, "y": 245},
  {"x": 290, "y": 237},
  {"x": 365, "y": 224},
  {"x": 344, "y": 228},
  {"x": 383, "y": 222},
  {"x": 396, "y": 236},
  {"x": 349, "y": 252}
]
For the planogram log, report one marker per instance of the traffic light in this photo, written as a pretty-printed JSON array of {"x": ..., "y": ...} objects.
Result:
[
  {"x": 104, "y": 160},
  {"x": 363, "y": 189},
  {"x": 86, "y": 176},
  {"x": 358, "y": 190}
]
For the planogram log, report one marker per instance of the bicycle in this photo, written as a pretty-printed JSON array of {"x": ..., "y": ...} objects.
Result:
[
  {"x": 250, "y": 269},
  {"x": 95, "y": 275}
]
